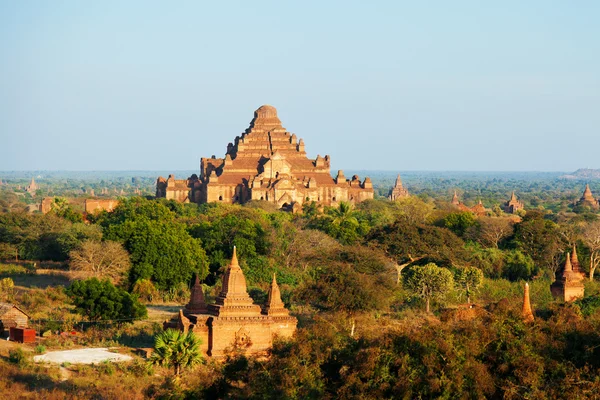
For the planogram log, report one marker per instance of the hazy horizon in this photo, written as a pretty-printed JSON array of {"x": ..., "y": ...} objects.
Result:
[{"x": 389, "y": 86}]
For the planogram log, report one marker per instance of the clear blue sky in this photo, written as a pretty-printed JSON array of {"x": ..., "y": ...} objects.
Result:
[{"x": 388, "y": 85}]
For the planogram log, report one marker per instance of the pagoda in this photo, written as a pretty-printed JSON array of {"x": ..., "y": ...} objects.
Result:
[
  {"x": 398, "y": 191},
  {"x": 569, "y": 281},
  {"x": 266, "y": 163},
  {"x": 234, "y": 322},
  {"x": 588, "y": 199},
  {"x": 513, "y": 205}
]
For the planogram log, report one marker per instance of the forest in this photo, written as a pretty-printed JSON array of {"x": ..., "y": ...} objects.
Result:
[{"x": 411, "y": 298}]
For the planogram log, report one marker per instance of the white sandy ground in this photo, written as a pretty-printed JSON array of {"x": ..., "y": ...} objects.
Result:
[{"x": 82, "y": 356}]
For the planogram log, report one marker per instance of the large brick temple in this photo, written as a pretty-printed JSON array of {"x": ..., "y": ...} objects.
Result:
[
  {"x": 234, "y": 321},
  {"x": 266, "y": 163}
]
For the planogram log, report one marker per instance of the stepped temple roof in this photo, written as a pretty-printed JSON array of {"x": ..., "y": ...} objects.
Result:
[{"x": 266, "y": 162}]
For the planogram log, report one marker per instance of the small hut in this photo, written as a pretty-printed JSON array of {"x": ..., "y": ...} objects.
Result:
[{"x": 12, "y": 316}]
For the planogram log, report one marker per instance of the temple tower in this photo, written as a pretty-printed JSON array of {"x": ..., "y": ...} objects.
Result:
[
  {"x": 398, "y": 191},
  {"x": 569, "y": 283},
  {"x": 234, "y": 299},
  {"x": 275, "y": 306},
  {"x": 197, "y": 304}
]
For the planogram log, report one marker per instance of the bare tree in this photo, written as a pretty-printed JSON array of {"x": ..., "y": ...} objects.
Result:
[
  {"x": 100, "y": 260},
  {"x": 490, "y": 231},
  {"x": 591, "y": 237}
]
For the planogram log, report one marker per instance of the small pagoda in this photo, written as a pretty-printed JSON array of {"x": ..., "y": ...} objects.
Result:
[{"x": 234, "y": 321}]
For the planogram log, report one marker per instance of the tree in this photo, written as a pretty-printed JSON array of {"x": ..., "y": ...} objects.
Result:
[
  {"x": 459, "y": 222},
  {"x": 173, "y": 348},
  {"x": 429, "y": 282},
  {"x": 145, "y": 289},
  {"x": 406, "y": 243},
  {"x": 101, "y": 300},
  {"x": 490, "y": 231},
  {"x": 540, "y": 239},
  {"x": 6, "y": 289},
  {"x": 468, "y": 279},
  {"x": 591, "y": 237},
  {"x": 162, "y": 251},
  {"x": 100, "y": 260},
  {"x": 518, "y": 266}
]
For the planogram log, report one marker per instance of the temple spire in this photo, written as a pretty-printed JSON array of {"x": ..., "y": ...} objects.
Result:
[
  {"x": 275, "y": 306},
  {"x": 527, "y": 312},
  {"x": 234, "y": 299},
  {"x": 234, "y": 259},
  {"x": 575, "y": 260},
  {"x": 455, "y": 198},
  {"x": 197, "y": 304},
  {"x": 398, "y": 181},
  {"x": 568, "y": 265}
]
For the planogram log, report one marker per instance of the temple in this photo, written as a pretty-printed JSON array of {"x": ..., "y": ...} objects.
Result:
[
  {"x": 266, "y": 163},
  {"x": 32, "y": 187},
  {"x": 569, "y": 280},
  {"x": 513, "y": 205},
  {"x": 398, "y": 191},
  {"x": 234, "y": 322},
  {"x": 478, "y": 209},
  {"x": 588, "y": 199}
]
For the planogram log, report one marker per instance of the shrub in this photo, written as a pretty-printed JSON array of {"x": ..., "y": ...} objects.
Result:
[
  {"x": 101, "y": 300},
  {"x": 17, "y": 356}
]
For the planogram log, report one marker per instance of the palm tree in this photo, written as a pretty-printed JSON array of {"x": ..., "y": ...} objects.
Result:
[
  {"x": 343, "y": 213},
  {"x": 173, "y": 348}
]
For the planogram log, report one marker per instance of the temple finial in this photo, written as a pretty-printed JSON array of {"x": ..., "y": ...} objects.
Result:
[
  {"x": 234, "y": 260},
  {"x": 568, "y": 265}
]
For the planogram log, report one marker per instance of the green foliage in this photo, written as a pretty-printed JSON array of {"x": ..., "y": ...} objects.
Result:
[
  {"x": 161, "y": 248},
  {"x": 44, "y": 237},
  {"x": 101, "y": 300},
  {"x": 341, "y": 223},
  {"x": 468, "y": 279},
  {"x": 340, "y": 287},
  {"x": 459, "y": 222},
  {"x": 429, "y": 282},
  {"x": 518, "y": 266},
  {"x": 177, "y": 350},
  {"x": 145, "y": 289},
  {"x": 589, "y": 305},
  {"x": 405, "y": 240},
  {"x": 40, "y": 349},
  {"x": 540, "y": 239},
  {"x": 17, "y": 356}
]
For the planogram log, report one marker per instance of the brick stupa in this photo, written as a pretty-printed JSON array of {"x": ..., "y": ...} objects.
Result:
[
  {"x": 569, "y": 283},
  {"x": 588, "y": 199},
  {"x": 527, "y": 311},
  {"x": 266, "y": 163},
  {"x": 234, "y": 321}
]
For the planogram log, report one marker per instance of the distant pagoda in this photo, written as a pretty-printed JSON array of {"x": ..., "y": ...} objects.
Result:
[
  {"x": 398, "y": 191},
  {"x": 513, "y": 205},
  {"x": 588, "y": 199}
]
